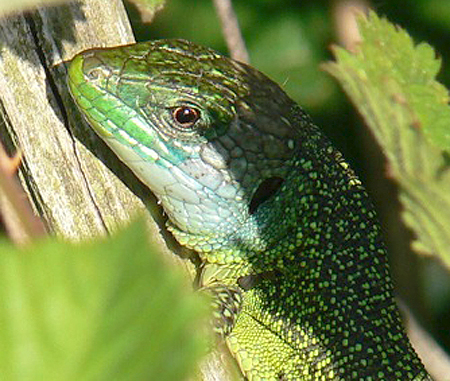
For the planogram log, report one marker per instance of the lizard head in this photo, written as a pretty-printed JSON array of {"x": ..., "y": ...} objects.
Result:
[{"x": 213, "y": 138}]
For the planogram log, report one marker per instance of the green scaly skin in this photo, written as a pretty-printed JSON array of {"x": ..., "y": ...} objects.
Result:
[{"x": 297, "y": 265}]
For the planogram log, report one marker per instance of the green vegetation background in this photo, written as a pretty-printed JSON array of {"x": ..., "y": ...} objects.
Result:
[
  {"x": 289, "y": 41},
  {"x": 392, "y": 82}
]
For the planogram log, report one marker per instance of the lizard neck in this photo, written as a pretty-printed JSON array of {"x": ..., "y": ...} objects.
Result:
[{"x": 312, "y": 205}]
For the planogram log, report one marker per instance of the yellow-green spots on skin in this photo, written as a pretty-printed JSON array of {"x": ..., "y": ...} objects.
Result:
[
  {"x": 291, "y": 144},
  {"x": 354, "y": 182},
  {"x": 247, "y": 363},
  {"x": 315, "y": 255},
  {"x": 206, "y": 248}
]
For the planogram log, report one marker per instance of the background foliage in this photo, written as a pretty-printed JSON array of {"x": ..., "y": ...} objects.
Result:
[
  {"x": 289, "y": 41},
  {"x": 103, "y": 310}
]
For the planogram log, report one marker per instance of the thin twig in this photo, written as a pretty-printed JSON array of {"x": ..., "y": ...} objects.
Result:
[
  {"x": 231, "y": 30},
  {"x": 344, "y": 14},
  {"x": 21, "y": 223}
]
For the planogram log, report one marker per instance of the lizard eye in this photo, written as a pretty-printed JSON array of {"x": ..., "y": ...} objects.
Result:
[{"x": 185, "y": 116}]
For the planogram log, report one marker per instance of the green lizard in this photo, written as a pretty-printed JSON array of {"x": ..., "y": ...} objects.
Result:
[{"x": 289, "y": 241}]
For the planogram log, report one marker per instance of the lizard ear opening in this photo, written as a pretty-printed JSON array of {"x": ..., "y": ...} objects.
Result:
[{"x": 265, "y": 190}]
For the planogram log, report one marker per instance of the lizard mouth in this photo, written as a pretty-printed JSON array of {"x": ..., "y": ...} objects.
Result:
[{"x": 265, "y": 190}]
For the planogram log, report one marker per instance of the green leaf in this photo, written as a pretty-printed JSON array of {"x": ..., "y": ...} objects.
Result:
[
  {"x": 392, "y": 83},
  {"x": 99, "y": 311}
]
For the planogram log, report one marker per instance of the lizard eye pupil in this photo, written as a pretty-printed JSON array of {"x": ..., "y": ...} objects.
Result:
[{"x": 185, "y": 116}]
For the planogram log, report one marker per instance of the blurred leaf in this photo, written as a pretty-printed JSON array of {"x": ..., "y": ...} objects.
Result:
[
  {"x": 147, "y": 8},
  {"x": 14, "y": 6},
  {"x": 392, "y": 83},
  {"x": 100, "y": 311}
]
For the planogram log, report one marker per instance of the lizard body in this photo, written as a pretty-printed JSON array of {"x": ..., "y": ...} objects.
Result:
[{"x": 289, "y": 241}]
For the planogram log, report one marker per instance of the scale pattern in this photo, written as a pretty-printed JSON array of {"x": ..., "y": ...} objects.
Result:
[{"x": 290, "y": 244}]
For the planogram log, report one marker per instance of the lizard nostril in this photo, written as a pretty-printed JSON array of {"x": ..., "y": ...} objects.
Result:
[{"x": 265, "y": 190}]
